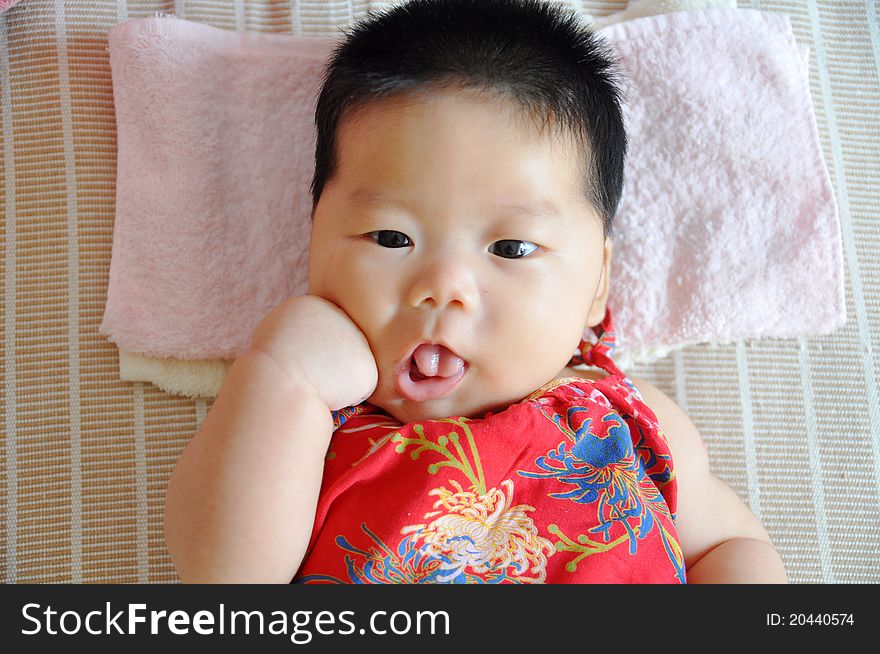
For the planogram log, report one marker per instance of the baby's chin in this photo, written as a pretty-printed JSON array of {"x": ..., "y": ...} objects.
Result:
[
  {"x": 468, "y": 400},
  {"x": 406, "y": 411}
]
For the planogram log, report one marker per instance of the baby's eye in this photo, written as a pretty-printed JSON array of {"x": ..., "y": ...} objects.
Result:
[
  {"x": 388, "y": 238},
  {"x": 514, "y": 249}
]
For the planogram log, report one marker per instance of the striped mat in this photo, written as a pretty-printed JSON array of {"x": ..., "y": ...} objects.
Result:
[{"x": 793, "y": 426}]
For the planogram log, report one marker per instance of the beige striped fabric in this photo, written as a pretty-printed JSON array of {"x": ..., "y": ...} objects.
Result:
[{"x": 793, "y": 426}]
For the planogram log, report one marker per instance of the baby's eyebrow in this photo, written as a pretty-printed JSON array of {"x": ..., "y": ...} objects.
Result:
[
  {"x": 543, "y": 209},
  {"x": 538, "y": 208},
  {"x": 366, "y": 196}
]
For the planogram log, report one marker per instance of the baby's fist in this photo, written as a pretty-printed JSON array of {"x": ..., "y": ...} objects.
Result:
[{"x": 318, "y": 345}]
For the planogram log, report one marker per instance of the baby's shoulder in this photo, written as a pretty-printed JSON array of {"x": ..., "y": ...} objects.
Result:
[
  {"x": 644, "y": 389},
  {"x": 686, "y": 444}
]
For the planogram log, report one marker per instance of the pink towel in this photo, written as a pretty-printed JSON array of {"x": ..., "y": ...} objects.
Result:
[
  {"x": 727, "y": 228},
  {"x": 215, "y": 142},
  {"x": 7, "y": 4}
]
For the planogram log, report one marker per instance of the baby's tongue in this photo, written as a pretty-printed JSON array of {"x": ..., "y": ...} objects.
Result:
[{"x": 437, "y": 361}]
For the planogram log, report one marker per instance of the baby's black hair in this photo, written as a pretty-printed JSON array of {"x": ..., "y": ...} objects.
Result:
[{"x": 544, "y": 59}]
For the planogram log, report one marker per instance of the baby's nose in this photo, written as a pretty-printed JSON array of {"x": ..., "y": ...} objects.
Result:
[{"x": 445, "y": 283}]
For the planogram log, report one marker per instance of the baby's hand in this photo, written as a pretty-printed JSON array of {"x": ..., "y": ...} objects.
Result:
[{"x": 317, "y": 344}]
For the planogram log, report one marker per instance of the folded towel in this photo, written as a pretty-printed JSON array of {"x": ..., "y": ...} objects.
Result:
[
  {"x": 214, "y": 134},
  {"x": 200, "y": 378},
  {"x": 640, "y": 8},
  {"x": 7, "y": 4},
  {"x": 727, "y": 227}
]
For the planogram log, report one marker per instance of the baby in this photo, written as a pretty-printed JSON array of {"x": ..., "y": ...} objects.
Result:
[{"x": 416, "y": 417}]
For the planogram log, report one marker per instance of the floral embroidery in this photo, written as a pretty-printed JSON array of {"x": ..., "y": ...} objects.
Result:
[{"x": 485, "y": 535}]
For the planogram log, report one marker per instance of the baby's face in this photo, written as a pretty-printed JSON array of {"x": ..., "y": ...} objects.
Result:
[{"x": 445, "y": 256}]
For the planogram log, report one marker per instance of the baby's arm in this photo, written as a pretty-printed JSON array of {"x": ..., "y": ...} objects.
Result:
[
  {"x": 241, "y": 502},
  {"x": 242, "y": 498},
  {"x": 721, "y": 539}
]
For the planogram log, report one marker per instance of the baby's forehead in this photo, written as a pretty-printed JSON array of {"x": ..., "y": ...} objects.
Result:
[
  {"x": 449, "y": 152},
  {"x": 536, "y": 206},
  {"x": 528, "y": 120}
]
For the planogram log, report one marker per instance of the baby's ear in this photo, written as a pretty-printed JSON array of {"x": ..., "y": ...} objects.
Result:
[{"x": 597, "y": 310}]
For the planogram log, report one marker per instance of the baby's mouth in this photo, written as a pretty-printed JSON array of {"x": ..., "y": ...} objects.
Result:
[
  {"x": 433, "y": 371},
  {"x": 414, "y": 373},
  {"x": 430, "y": 360}
]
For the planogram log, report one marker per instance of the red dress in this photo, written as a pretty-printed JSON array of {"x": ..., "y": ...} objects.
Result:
[{"x": 572, "y": 484}]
